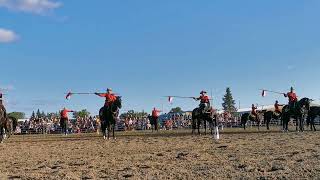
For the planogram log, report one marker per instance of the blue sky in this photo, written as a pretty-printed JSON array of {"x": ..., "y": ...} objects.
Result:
[{"x": 148, "y": 49}]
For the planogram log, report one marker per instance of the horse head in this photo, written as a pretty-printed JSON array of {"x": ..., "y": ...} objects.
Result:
[
  {"x": 305, "y": 103},
  {"x": 118, "y": 102}
]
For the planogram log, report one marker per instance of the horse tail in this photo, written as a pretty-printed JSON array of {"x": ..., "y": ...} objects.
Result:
[{"x": 244, "y": 118}]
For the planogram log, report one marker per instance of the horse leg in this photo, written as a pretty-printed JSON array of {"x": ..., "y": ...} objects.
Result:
[
  {"x": 283, "y": 125},
  {"x": 113, "y": 129},
  {"x": 205, "y": 127},
  {"x": 109, "y": 129},
  {"x": 1, "y": 135},
  {"x": 194, "y": 126},
  {"x": 297, "y": 124},
  {"x": 302, "y": 123},
  {"x": 198, "y": 127}
]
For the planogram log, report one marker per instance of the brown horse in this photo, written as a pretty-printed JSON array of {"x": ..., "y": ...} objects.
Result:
[{"x": 6, "y": 124}]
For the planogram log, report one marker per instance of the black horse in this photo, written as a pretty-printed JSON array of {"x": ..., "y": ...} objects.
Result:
[
  {"x": 299, "y": 113},
  {"x": 312, "y": 114},
  {"x": 154, "y": 123},
  {"x": 268, "y": 116},
  {"x": 108, "y": 117},
  {"x": 248, "y": 117},
  {"x": 198, "y": 117}
]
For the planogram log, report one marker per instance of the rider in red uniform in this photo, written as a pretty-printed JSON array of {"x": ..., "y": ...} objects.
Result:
[
  {"x": 110, "y": 97},
  {"x": 293, "y": 98},
  {"x": 155, "y": 117},
  {"x": 204, "y": 101},
  {"x": 277, "y": 108},
  {"x": 254, "y": 111}
]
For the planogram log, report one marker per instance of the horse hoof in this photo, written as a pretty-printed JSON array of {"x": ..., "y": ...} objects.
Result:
[{"x": 104, "y": 137}]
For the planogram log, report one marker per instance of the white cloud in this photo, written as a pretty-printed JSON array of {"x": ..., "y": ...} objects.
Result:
[
  {"x": 30, "y": 6},
  {"x": 7, "y": 36}
]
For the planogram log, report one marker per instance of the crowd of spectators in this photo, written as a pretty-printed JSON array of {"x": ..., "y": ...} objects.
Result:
[
  {"x": 91, "y": 124},
  {"x": 52, "y": 125}
]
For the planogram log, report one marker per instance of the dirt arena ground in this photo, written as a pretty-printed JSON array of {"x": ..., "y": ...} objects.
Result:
[{"x": 166, "y": 155}]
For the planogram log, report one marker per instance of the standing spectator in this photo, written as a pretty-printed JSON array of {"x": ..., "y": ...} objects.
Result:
[
  {"x": 64, "y": 120},
  {"x": 155, "y": 117}
]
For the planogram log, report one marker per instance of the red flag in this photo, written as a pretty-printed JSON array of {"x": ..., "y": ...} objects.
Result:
[
  {"x": 68, "y": 97},
  {"x": 170, "y": 99},
  {"x": 264, "y": 93}
]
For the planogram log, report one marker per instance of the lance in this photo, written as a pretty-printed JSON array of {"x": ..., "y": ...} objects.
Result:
[
  {"x": 69, "y": 94},
  {"x": 170, "y": 98},
  {"x": 182, "y": 97},
  {"x": 265, "y": 90}
]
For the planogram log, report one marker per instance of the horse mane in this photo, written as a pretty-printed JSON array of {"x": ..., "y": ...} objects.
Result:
[
  {"x": 304, "y": 101},
  {"x": 118, "y": 102}
]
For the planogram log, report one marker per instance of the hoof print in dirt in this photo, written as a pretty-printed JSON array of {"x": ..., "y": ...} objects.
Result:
[
  {"x": 276, "y": 167},
  {"x": 182, "y": 155},
  {"x": 86, "y": 178},
  {"x": 222, "y": 147},
  {"x": 241, "y": 166},
  {"x": 144, "y": 166},
  {"x": 280, "y": 159},
  {"x": 293, "y": 153},
  {"x": 262, "y": 178},
  {"x": 56, "y": 167},
  {"x": 160, "y": 154},
  {"x": 14, "y": 177},
  {"x": 128, "y": 175},
  {"x": 300, "y": 160}
]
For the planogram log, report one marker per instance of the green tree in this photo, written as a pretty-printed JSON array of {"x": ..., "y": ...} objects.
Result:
[
  {"x": 43, "y": 114},
  {"x": 176, "y": 110},
  {"x": 17, "y": 115},
  {"x": 38, "y": 113},
  {"x": 83, "y": 113},
  {"x": 52, "y": 115},
  {"x": 33, "y": 115},
  {"x": 229, "y": 104}
]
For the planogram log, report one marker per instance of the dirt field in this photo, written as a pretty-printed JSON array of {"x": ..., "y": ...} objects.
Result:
[{"x": 166, "y": 155}]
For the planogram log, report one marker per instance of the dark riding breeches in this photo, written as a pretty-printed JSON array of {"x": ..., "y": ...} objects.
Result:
[{"x": 64, "y": 125}]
